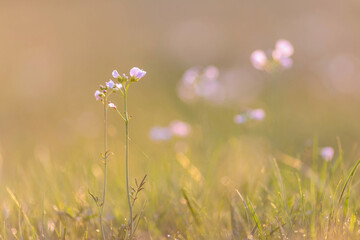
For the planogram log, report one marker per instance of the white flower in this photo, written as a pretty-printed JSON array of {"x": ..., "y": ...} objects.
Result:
[
  {"x": 118, "y": 86},
  {"x": 112, "y": 105}
]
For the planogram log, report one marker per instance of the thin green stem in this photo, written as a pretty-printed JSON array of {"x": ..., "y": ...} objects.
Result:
[
  {"x": 127, "y": 162},
  {"x": 43, "y": 231},
  {"x": 120, "y": 114},
  {"x": 105, "y": 170}
]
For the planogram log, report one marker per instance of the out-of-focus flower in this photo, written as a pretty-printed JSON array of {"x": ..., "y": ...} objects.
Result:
[
  {"x": 286, "y": 62},
  {"x": 180, "y": 128},
  {"x": 110, "y": 84},
  {"x": 259, "y": 59},
  {"x": 240, "y": 119},
  {"x": 283, "y": 49},
  {"x": 279, "y": 59},
  {"x": 327, "y": 153},
  {"x": 211, "y": 72},
  {"x": 190, "y": 76},
  {"x": 208, "y": 88},
  {"x": 257, "y": 114},
  {"x": 137, "y": 73},
  {"x": 51, "y": 226},
  {"x": 217, "y": 87},
  {"x": 252, "y": 114},
  {"x": 160, "y": 133},
  {"x": 112, "y": 105},
  {"x": 115, "y": 74},
  {"x": 176, "y": 128},
  {"x": 98, "y": 95},
  {"x": 200, "y": 83}
]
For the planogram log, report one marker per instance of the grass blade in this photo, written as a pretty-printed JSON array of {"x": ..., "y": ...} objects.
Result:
[
  {"x": 347, "y": 182},
  {"x": 17, "y": 203},
  {"x": 256, "y": 219}
]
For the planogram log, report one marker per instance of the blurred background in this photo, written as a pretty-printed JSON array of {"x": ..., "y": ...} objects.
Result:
[{"x": 53, "y": 56}]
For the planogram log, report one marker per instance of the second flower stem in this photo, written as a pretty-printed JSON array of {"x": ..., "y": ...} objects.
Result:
[
  {"x": 127, "y": 162},
  {"x": 105, "y": 170}
]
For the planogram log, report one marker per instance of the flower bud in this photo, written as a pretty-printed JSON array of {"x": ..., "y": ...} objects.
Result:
[
  {"x": 112, "y": 105},
  {"x": 115, "y": 74}
]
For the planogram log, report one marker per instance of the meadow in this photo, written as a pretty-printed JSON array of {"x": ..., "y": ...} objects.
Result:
[{"x": 225, "y": 125}]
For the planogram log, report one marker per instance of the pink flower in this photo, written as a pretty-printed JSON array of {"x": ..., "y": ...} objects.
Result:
[
  {"x": 137, "y": 73},
  {"x": 286, "y": 62},
  {"x": 257, "y": 114},
  {"x": 258, "y": 59},
  {"x": 211, "y": 72},
  {"x": 327, "y": 153},
  {"x": 190, "y": 76},
  {"x": 98, "y": 95},
  {"x": 180, "y": 128},
  {"x": 115, "y": 74},
  {"x": 283, "y": 49}
]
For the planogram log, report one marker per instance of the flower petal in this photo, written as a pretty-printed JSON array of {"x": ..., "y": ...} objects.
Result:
[{"x": 115, "y": 74}]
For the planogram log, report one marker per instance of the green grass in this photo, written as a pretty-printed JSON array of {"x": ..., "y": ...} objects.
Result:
[{"x": 282, "y": 198}]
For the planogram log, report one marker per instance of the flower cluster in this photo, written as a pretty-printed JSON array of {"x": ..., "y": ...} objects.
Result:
[
  {"x": 106, "y": 90},
  {"x": 135, "y": 75},
  {"x": 176, "y": 128},
  {"x": 123, "y": 82},
  {"x": 198, "y": 83},
  {"x": 280, "y": 57},
  {"x": 252, "y": 114}
]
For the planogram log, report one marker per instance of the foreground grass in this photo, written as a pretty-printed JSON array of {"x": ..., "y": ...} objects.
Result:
[{"x": 280, "y": 197}]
